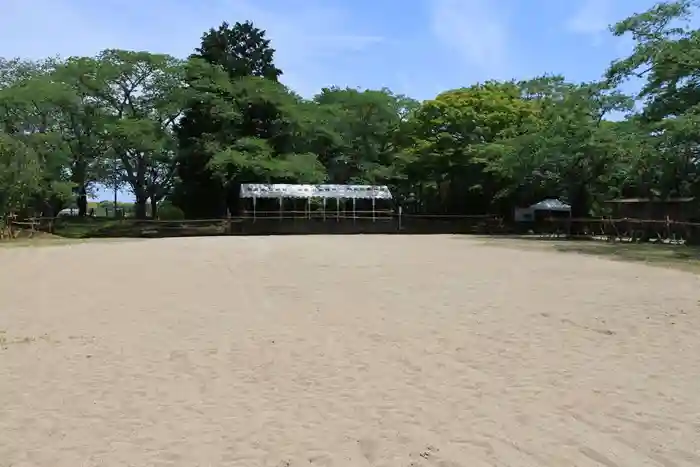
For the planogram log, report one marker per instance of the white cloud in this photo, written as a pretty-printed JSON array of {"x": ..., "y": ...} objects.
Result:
[
  {"x": 592, "y": 19},
  {"x": 475, "y": 30},
  {"x": 307, "y": 36}
]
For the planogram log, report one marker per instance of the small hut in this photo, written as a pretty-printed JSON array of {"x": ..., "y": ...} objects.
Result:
[
  {"x": 547, "y": 208},
  {"x": 549, "y": 216},
  {"x": 551, "y": 207}
]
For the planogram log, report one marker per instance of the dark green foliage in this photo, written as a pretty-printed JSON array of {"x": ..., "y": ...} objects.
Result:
[
  {"x": 218, "y": 74},
  {"x": 168, "y": 212},
  {"x": 241, "y": 50},
  {"x": 192, "y": 131}
]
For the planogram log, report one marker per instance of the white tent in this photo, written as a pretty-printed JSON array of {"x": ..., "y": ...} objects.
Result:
[
  {"x": 283, "y": 190},
  {"x": 339, "y": 193},
  {"x": 551, "y": 204}
]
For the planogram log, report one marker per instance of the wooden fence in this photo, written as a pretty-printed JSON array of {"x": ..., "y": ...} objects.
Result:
[
  {"x": 623, "y": 229},
  {"x": 379, "y": 222}
]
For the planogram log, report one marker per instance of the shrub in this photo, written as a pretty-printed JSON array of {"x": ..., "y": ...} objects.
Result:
[{"x": 169, "y": 212}]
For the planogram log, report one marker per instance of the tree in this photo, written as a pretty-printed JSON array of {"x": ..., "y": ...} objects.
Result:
[
  {"x": 242, "y": 50},
  {"x": 26, "y": 177},
  {"x": 20, "y": 175},
  {"x": 18, "y": 70},
  {"x": 232, "y": 53},
  {"x": 277, "y": 152},
  {"x": 355, "y": 134},
  {"x": 80, "y": 122},
  {"x": 565, "y": 148},
  {"x": 48, "y": 99},
  {"x": 22, "y": 111},
  {"x": 192, "y": 131},
  {"x": 667, "y": 57},
  {"x": 30, "y": 113},
  {"x": 141, "y": 96},
  {"x": 448, "y": 136}
]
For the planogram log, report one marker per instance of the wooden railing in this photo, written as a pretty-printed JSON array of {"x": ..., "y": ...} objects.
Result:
[{"x": 300, "y": 222}]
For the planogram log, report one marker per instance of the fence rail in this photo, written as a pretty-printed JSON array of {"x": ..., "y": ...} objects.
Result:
[{"x": 378, "y": 221}]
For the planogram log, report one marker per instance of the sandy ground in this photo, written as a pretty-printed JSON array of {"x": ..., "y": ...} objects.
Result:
[{"x": 344, "y": 351}]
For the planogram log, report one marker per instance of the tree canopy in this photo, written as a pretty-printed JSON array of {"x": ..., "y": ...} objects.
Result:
[{"x": 191, "y": 130}]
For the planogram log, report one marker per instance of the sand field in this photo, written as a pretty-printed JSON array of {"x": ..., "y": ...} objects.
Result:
[{"x": 344, "y": 351}]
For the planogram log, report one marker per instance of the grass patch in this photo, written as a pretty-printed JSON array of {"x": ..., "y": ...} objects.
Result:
[
  {"x": 681, "y": 257},
  {"x": 132, "y": 228},
  {"x": 38, "y": 239},
  {"x": 88, "y": 227},
  {"x": 71, "y": 229},
  {"x": 685, "y": 258},
  {"x": 44, "y": 241}
]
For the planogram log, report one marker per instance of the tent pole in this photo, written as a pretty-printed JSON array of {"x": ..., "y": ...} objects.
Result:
[
  {"x": 281, "y": 206},
  {"x": 255, "y": 199},
  {"x": 374, "y": 201},
  {"x": 354, "y": 213}
]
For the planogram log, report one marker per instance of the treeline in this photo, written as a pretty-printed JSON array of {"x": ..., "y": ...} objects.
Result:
[{"x": 190, "y": 131}]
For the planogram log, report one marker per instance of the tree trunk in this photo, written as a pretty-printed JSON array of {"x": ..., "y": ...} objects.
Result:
[
  {"x": 580, "y": 206},
  {"x": 233, "y": 197},
  {"x": 140, "y": 208},
  {"x": 79, "y": 176},
  {"x": 140, "y": 203},
  {"x": 82, "y": 201},
  {"x": 154, "y": 207},
  {"x": 140, "y": 190}
]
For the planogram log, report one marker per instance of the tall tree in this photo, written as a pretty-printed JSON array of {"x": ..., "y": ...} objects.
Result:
[
  {"x": 20, "y": 175},
  {"x": 80, "y": 125},
  {"x": 448, "y": 136},
  {"x": 356, "y": 133},
  {"x": 666, "y": 57},
  {"x": 30, "y": 113},
  {"x": 241, "y": 51},
  {"x": 566, "y": 148},
  {"x": 141, "y": 96},
  {"x": 279, "y": 149}
]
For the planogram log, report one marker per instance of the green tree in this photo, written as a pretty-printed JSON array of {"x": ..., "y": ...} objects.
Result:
[
  {"x": 666, "y": 56},
  {"x": 80, "y": 125},
  {"x": 20, "y": 175},
  {"x": 30, "y": 113},
  {"x": 242, "y": 50},
  {"x": 233, "y": 52},
  {"x": 279, "y": 150},
  {"x": 355, "y": 133},
  {"x": 448, "y": 167},
  {"x": 141, "y": 96},
  {"x": 565, "y": 148}
]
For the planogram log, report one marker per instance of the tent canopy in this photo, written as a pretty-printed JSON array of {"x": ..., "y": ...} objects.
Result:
[
  {"x": 551, "y": 204},
  {"x": 283, "y": 190}
]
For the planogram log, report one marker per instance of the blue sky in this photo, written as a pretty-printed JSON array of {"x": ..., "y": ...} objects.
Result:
[{"x": 416, "y": 47}]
